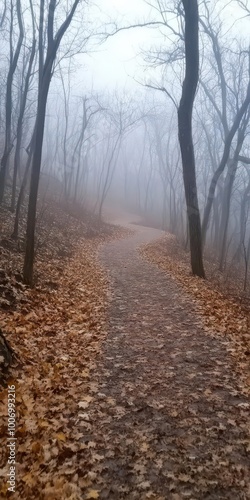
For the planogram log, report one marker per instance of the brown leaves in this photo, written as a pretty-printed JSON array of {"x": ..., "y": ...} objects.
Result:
[
  {"x": 156, "y": 417},
  {"x": 220, "y": 311},
  {"x": 92, "y": 494},
  {"x": 57, "y": 332}
]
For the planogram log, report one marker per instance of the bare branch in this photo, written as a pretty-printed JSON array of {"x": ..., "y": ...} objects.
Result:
[
  {"x": 244, "y": 160},
  {"x": 132, "y": 26},
  {"x": 3, "y": 15},
  {"x": 163, "y": 89}
]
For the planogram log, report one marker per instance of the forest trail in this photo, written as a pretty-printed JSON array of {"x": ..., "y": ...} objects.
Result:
[{"x": 167, "y": 420}]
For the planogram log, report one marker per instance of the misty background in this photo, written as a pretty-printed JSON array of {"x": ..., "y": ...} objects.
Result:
[{"x": 111, "y": 134}]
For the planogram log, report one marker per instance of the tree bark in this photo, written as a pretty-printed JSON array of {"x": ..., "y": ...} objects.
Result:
[
  {"x": 20, "y": 124},
  {"x": 223, "y": 163},
  {"x": 232, "y": 168},
  {"x": 8, "y": 101},
  {"x": 185, "y": 133},
  {"x": 14, "y": 235},
  {"x": 34, "y": 183},
  {"x": 45, "y": 75}
]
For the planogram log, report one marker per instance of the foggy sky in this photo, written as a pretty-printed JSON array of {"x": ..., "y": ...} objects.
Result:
[{"x": 118, "y": 62}]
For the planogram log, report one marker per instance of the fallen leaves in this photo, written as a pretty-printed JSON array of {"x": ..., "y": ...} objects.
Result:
[
  {"x": 56, "y": 329},
  {"x": 221, "y": 312},
  {"x": 92, "y": 494},
  {"x": 160, "y": 417},
  {"x": 163, "y": 417}
]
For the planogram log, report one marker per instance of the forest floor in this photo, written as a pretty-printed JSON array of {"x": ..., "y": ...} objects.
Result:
[
  {"x": 127, "y": 392},
  {"x": 55, "y": 329}
]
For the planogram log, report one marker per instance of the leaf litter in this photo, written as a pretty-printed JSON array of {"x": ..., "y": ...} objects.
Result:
[
  {"x": 124, "y": 394},
  {"x": 56, "y": 330},
  {"x": 224, "y": 309},
  {"x": 169, "y": 420}
]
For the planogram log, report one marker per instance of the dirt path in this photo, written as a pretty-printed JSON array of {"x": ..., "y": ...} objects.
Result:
[{"x": 167, "y": 421}]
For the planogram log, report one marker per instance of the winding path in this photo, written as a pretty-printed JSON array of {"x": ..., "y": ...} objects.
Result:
[{"x": 168, "y": 420}]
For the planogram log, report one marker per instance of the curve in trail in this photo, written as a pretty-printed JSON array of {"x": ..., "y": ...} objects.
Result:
[{"x": 168, "y": 422}]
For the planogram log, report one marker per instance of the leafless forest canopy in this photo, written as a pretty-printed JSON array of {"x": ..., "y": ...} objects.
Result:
[
  {"x": 98, "y": 146},
  {"x": 124, "y": 249}
]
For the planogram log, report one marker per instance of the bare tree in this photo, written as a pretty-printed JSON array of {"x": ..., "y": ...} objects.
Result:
[
  {"x": 118, "y": 122},
  {"x": 89, "y": 110},
  {"x": 23, "y": 100},
  {"x": 45, "y": 75},
  {"x": 29, "y": 151},
  {"x": 229, "y": 181},
  {"x": 232, "y": 101},
  {"x": 14, "y": 56},
  {"x": 3, "y": 14},
  {"x": 185, "y": 133}
]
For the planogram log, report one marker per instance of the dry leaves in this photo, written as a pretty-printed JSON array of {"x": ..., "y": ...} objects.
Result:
[
  {"x": 160, "y": 417},
  {"x": 222, "y": 313},
  {"x": 56, "y": 329},
  {"x": 163, "y": 417}
]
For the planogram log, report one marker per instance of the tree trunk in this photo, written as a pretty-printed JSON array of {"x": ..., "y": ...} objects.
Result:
[
  {"x": 45, "y": 75},
  {"x": 244, "y": 209},
  {"x": 185, "y": 133},
  {"x": 226, "y": 210},
  {"x": 22, "y": 189},
  {"x": 20, "y": 124},
  {"x": 8, "y": 101},
  {"x": 34, "y": 182},
  {"x": 216, "y": 218},
  {"x": 223, "y": 163}
]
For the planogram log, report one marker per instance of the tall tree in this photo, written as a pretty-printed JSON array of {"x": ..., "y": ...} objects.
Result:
[
  {"x": 14, "y": 56},
  {"x": 45, "y": 74},
  {"x": 3, "y": 14},
  {"x": 185, "y": 111},
  {"x": 23, "y": 101},
  {"x": 225, "y": 156},
  {"x": 225, "y": 96}
]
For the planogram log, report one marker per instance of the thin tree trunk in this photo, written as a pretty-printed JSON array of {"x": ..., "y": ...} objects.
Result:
[
  {"x": 244, "y": 208},
  {"x": 185, "y": 133},
  {"x": 45, "y": 75},
  {"x": 22, "y": 189},
  {"x": 226, "y": 211},
  {"x": 34, "y": 183},
  {"x": 20, "y": 125},
  {"x": 8, "y": 102},
  {"x": 223, "y": 163}
]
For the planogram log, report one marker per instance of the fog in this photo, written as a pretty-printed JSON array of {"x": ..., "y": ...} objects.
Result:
[{"x": 111, "y": 130}]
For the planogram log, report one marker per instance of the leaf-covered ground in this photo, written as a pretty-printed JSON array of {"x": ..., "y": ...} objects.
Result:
[
  {"x": 124, "y": 393},
  {"x": 168, "y": 419},
  {"x": 219, "y": 301},
  {"x": 56, "y": 330}
]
